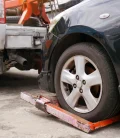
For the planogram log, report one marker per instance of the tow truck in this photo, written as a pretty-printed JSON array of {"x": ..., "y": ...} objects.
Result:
[{"x": 21, "y": 46}]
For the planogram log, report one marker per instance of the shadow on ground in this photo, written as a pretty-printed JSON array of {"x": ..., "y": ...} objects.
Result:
[{"x": 19, "y": 80}]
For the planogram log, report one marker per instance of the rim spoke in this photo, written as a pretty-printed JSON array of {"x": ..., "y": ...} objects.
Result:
[
  {"x": 90, "y": 100},
  {"x": 84, "y": 81},
  {"x": 94, "y": 78},
  {"x": 67, "y": 77},
  {"x": 80, "y": 65},
  {"x": 73, "y": 98}
]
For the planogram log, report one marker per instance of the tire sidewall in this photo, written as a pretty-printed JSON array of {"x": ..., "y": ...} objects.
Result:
[{"x": 91, "y": 52}]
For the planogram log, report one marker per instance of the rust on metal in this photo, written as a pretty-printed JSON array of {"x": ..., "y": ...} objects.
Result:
[{"x": 51, "y": 106}]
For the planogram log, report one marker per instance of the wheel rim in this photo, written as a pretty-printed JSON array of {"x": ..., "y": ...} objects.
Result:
[{"x": 81, "y": 84}]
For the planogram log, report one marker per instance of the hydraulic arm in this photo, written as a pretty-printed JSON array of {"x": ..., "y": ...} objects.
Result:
[{"x": 28, "y": 8}]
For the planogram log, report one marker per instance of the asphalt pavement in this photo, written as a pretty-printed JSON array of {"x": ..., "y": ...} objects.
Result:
[{"x": 19, "y": 119}]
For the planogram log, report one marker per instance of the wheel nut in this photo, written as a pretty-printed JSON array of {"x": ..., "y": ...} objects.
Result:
[
  {"x": 74, "y": 85},
  {"x": 84, "y": 82},
  {"x": 81, "y": 91},
  {"x": 77, "y": 77}
]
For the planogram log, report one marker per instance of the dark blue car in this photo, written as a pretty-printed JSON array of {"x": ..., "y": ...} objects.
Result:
[{"x": 82, "y": 59}]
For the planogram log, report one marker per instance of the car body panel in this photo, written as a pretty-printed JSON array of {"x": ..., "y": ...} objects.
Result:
[{"x": 85, "y": 18}]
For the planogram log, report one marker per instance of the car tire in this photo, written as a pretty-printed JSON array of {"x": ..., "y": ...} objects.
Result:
[{"x": 98, "y": 95}]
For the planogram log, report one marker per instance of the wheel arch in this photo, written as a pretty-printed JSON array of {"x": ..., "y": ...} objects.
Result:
[{"x": 68, "y": 41}]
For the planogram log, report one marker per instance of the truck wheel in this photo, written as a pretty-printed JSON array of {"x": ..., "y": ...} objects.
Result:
[{"x": 86, "y": 83}]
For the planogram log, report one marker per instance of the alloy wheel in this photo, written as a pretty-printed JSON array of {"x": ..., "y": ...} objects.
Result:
[{"x": 81, "y": 84}]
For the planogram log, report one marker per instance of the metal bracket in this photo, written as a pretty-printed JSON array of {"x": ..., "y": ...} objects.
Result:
[{"x": 41, "y": 103}]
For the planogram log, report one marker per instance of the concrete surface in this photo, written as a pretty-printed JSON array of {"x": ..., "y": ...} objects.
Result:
[{"x": 19, "y": 119}]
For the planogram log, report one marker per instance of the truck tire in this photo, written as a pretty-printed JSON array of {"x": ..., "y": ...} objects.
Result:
[{"x": 86, "y": 83}]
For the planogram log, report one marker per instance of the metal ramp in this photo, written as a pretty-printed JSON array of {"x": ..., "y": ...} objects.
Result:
[{"x": 48, "y": 103}]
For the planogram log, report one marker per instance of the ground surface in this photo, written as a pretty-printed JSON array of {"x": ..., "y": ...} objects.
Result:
[{"x": 19, "y": 119}]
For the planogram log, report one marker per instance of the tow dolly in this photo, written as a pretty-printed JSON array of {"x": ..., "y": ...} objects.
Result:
[{"x": 48, "y": 103}]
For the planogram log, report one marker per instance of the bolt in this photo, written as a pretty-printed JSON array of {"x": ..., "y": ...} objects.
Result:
[
  {"x": 81, "y": 91},
  {"x": 74, "y": 85},
  {"x": 84, "y": 82},
  {"x": 77, "y": 77}
]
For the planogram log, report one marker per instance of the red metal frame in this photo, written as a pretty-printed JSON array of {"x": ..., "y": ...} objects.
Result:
[
  {"x": 29, "y": 7},
  {"x": 51, "y": 106}
]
